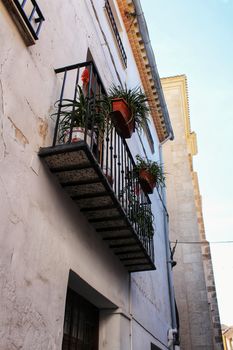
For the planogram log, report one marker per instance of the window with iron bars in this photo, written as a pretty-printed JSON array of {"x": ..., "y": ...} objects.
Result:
[
  {"x": 28, "y": 18},
  {"x": 116, "y": 32},
  {"x": 81, "y": 323}
]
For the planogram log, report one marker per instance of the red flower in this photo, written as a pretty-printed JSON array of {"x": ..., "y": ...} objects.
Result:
[{"x": 85, "y": 76}]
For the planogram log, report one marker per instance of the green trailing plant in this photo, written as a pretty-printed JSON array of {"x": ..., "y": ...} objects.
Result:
[
  {"x": 82, "y": 112},
  {"x": 137, "y": 102},
  {"x": 103, "y": 111},
  {"x": 154, "y": 168},
  {"x": 140, "y": 214},
  {"x": 144, "y": 220}
]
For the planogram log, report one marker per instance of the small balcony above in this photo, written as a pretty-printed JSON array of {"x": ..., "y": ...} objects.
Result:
[
  {"x": 27, "y": 17},
  {"x": 95, "y": 167}
]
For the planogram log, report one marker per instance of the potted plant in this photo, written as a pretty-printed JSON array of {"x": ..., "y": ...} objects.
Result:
[
  {"x": 139, "y": 213},
  {"x": 76, "y": 116},
  {"x": 142, "y": 217},
  {"x": 150, "y": 174},
  {"x": 129, "y": 109}
]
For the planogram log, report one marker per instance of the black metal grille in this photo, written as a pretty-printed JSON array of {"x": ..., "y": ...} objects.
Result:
[
  {"x": 31, "y": 15},
  {"x": 118, "y": 208},
  {"x": 116, "y": 32},
  {"x": 81, "y": 323}
]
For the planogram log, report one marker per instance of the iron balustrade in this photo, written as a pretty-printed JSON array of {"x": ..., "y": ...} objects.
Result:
[
  {"x": 116, "y": 32},
  {"x": 83, "y": 83},
  {"x": 31, "y": 15}
]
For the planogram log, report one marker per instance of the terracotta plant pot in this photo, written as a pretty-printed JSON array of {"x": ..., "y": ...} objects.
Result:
[
  {"x": 122, "y": 118},
  {"x": 147, "y": 181}
]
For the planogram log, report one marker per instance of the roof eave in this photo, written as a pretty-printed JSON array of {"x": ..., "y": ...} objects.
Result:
[{"x": 140, "y": 42}]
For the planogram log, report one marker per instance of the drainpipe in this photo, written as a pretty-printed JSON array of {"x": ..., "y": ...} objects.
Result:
[
  {"x": 130, "y": 313},
  {"x": 168, "y": 257},
  {"x": 169, "y": 273},
  {"x": 154, "y": 71}
]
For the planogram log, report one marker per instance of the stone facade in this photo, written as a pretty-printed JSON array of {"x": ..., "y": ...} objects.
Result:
[{"x": 193, "y": 275}]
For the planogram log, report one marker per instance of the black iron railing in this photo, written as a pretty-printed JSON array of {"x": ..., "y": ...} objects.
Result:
[
  {"x": 116, "y": 32},
  {"x": 31, "y": 15},
  {"x": 82, "y": 114}
]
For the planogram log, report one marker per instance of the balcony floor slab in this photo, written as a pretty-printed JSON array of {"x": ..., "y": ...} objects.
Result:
[{"x": 81, "y": 176}]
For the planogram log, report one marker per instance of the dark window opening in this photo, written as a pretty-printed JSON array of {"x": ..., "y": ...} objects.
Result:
[
  {"x": 89, "y": 55},
  {"x": 149, "y": 137},
  {"x": 81, "y": 323},
  {"x": 154, "y": 347},
  {"x": 95, "y": 89}
]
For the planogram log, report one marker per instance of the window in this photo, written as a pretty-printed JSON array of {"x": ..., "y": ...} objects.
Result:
[
  {"x": 28, "y": 18},
  {"x": 149, "y": 137},
  {"x": 81, "y": 323},
  {"x": 116, "y": 32}
]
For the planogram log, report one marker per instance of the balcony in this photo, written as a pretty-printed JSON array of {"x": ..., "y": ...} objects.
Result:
[
  {"x": 95, "y": 167},
  {"x": 28, "y": 18}
]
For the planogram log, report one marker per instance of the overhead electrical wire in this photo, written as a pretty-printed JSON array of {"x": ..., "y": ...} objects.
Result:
[{"x": 213, "y": 242}]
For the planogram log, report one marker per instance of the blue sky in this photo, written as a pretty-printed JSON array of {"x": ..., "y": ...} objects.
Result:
[{"x": 195, "y": 37}]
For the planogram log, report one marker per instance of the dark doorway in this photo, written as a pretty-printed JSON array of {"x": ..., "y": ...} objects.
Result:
[{"x": 81, "y": 323}]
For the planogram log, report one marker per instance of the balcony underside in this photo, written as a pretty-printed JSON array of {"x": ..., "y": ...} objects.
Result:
[{"x": 80, "y": 175}]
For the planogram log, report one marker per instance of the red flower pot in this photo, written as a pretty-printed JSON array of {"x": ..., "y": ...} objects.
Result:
[
  {"x": 122, "y": 118},
  {"x": 147, "y": 181}
]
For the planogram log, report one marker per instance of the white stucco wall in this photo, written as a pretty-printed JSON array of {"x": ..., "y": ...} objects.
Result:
[{"x": 43, "y": 234}]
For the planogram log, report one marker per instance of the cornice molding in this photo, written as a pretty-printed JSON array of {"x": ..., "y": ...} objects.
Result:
[
  {"x": 180, "y": 82},
  {"x": 138, "y": 48}
]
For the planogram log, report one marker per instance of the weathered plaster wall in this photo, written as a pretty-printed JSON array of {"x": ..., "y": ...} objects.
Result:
[
  {"x": 43, "y": 234},
  {"x": 186, "y": 225}
]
